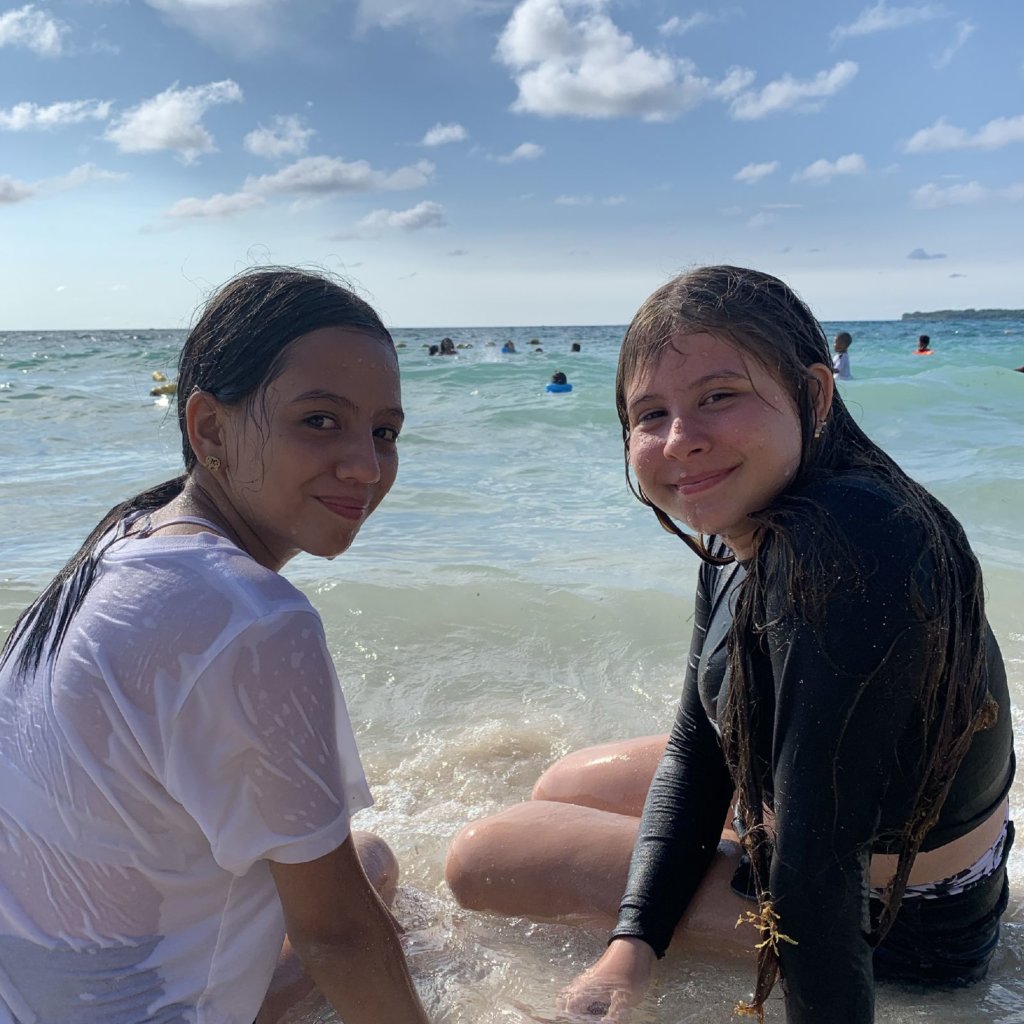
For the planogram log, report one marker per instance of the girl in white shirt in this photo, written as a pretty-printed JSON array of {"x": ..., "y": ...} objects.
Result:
[{"x": 177, "y": 765}]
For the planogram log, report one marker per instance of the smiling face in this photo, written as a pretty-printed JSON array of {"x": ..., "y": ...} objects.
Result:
[
  {"x": 314, "y": 455},
  {"x": 713, "y": 436}
]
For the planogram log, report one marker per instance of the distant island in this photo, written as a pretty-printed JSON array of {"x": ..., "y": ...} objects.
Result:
[{"x": 967, "y": 314}]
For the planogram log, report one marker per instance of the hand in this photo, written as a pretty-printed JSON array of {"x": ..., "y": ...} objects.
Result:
[{"x": 614, "y": 985}]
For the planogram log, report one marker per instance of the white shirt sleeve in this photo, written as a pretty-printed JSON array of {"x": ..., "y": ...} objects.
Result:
[{"x": 261, "y": 752}]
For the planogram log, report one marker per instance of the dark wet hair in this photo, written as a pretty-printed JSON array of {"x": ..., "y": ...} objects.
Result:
[
  {"x": 236, "y": 348},
  {"x": 559, "y": 378},
  {"x": 844, "y": 338},
  {"x": 923, "y": 341},
  {"x": 767, "y": 322}
]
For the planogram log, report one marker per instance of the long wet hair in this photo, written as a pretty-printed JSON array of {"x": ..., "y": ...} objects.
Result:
[
  {"x": 236, "y": 348},
  {"x": 768, "y": 323}
]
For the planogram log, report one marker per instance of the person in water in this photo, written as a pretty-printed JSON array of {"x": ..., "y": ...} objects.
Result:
[
  {"x": 558, "y": 377},
  {"x": 447, "y": 347},
  {"x": 924, "y": 345},
  {"x": 841, "y": 360},
  {"x": 178, "y": 766},
  {"x": 508, "y": 348},
  {"x": 845, "y": 703}
]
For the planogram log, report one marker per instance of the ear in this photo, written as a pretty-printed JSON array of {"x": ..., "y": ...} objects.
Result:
[
  {"x": 822, "y": 383},
  {"x": 204, "y": 420}
]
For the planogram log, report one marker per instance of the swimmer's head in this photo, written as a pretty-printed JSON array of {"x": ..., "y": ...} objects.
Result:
[
  {"x": 923, "y": 341},
  {"x": 842, "y": 341},
  {"x": 559, "y": 378}
]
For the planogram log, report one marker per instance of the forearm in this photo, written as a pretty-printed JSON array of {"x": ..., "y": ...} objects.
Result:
[{"x": 363, "y": 972}]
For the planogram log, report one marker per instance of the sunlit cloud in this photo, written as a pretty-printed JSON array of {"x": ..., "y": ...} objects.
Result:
[
  {"x": 424, "y": 215},
  {"x": 880, "y": 17},
  {"x": 752, "y": 173},
  {"x": 999, "y": 132},
  {"x": 441, "y": 134},
  {"x": 287, "y": 136},
  {"x": 32, "y": 117},
  {"x": 32, "y": 29},
  {"x": 822, "y": 171},
  {"x": 172, "y": 120}
]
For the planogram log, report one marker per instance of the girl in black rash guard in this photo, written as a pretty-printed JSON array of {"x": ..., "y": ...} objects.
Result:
[{"x": 844, "y": 698}]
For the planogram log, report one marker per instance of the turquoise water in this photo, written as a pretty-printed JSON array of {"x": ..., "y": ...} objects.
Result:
[{"x": 510, "y": 601}]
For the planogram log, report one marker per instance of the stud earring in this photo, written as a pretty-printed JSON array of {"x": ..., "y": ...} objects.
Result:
[{"x": 212, "y": 463}]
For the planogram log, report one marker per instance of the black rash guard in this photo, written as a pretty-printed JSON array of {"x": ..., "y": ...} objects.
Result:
[{"x": 839, "y": 737}]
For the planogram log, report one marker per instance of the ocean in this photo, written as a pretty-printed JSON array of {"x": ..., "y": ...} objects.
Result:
[{"x": 510, "y": 601}]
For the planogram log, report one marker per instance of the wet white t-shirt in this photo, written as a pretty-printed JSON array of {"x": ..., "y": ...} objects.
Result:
[{"x": 191, "y": 729}]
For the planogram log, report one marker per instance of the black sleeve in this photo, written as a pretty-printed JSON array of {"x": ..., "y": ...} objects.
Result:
[
  {"x": 846, "y": 691},
  {"x": 683, "y": 815}
]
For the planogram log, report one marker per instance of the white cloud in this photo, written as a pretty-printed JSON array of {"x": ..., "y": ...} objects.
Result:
[
  {"x": 442, "y": 133},
  {"x": 325, "y": 175},
  {"x": 964, "y": 31},
  {"x": 789, "y": 93},
  {"x": 82, "y": 175},
  {"x": 29, "y": 27},
  {"x": 587, "y": 200},
  {"x": 921, "y": 254},
  {"x": 216, "y": 207},
  {"x": 752, "y": 173},
  {"x": 762, "y": 220},
  {"x": 676, "y": 26},
  {"x": 933, "y": 197},
  {"x": 882, "y": 18},
  {"x": 14, "y": 191},
  {"x": 822, "y": 171},
  {"x": 246, "y": 27},
  {"x": 424, "y": 215},
  {"x": 588, "y": 67},
  {"x": 997, "y": 133},
  {"x": 26, "y": 116},
  {"x": 395, "y": 13},
  {"x": 287, "y": 136},
  {"x": 172, "y": 120},
  {"x": 524, "y": 151}
]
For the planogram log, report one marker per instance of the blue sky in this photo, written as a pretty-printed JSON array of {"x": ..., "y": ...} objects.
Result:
[{"x": 487, "y": 162}]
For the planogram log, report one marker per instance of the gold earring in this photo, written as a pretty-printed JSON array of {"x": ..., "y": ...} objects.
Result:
[
  {"x": 818, "y": 429},
  {"x": 212, "y": 463}
]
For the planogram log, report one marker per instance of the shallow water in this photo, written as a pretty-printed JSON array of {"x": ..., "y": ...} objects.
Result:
[{"x": 510, "y": 601}]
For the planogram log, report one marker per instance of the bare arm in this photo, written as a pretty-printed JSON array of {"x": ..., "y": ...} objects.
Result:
[{"x": 347, "y": 940}]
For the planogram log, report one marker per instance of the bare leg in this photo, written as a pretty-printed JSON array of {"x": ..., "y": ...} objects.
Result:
[
  {"x": 611, "y": 777},
  {"x": 290, "y": 983},
  {"x": 561, "y": 862}
]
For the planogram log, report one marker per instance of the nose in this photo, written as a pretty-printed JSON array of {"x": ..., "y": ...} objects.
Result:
[
  {"x": 359, "y": 461},
  {"x": 684, "y": 438}
]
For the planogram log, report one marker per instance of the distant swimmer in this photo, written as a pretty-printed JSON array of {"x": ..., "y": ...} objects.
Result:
[
  {"x": 559, "y": 383},
  {"x": 447, "y": 347},
  {"x": 575, "y": 347},
  {"x": 841, "y": 360},
  {"x": 923, "y": 345},
  {"x": 508, "y": 347}
]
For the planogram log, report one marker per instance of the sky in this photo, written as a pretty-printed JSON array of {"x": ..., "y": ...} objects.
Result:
[{"x": 500, "y": 163}]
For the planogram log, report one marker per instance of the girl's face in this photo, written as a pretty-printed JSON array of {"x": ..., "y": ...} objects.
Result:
[
  {"x": 315, "y": 455},
  {"x": 713, "y": 436}
]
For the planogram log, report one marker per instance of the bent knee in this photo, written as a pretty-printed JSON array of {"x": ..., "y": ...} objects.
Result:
[
  {"x": 379, "y": 864},
  {"x": 469, "y": 865}
]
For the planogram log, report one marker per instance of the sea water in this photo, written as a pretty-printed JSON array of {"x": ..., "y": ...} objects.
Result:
[{"x": 510, "y": 601}]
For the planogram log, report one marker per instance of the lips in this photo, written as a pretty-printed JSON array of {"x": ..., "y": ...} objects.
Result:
[
  {"x": 346, "y": 508},
  {"x": 702, "y": 482}
]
